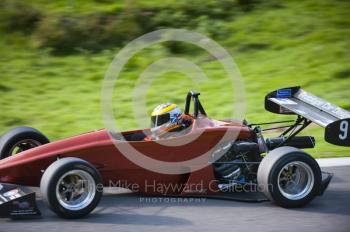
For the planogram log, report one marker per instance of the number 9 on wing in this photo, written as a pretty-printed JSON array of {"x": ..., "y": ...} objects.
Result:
[{"x": 338, "y": 132}]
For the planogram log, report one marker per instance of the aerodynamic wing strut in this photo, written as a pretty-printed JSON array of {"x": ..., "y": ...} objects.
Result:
[{"x": 294, "y": 100}]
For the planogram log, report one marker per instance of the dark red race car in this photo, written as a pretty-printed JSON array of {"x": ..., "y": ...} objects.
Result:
[{"x": 71, "y": 173}]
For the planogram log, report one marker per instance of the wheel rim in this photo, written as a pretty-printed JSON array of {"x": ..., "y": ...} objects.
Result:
[
  {"x": 295, "y": 180},
  {"x": 24, "y": 145},
  {"x": 75, "y": 190}
]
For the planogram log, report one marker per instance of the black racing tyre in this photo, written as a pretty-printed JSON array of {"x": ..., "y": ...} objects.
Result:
[
  {"x": 20, "y": 139},
  {"x": 71, "y": 187},
  {"x": 289, "y": 177}
]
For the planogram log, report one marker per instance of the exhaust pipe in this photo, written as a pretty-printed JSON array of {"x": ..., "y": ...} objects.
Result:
[{"x": 301, "y": 142}]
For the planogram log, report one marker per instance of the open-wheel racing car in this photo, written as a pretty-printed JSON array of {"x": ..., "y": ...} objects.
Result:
[{"x": 71, "y": 172}]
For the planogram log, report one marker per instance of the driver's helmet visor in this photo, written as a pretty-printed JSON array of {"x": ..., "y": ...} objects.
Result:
[{"x": 158, "y": 120}]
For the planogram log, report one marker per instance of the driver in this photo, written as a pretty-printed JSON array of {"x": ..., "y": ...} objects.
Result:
[{"x": 167, "y": 118}]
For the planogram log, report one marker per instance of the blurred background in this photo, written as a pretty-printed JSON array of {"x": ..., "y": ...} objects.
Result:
[{"x": 54, "y": 54}]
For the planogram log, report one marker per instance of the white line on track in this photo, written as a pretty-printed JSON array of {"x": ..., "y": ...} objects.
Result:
[{"x": 334, "y": 162}]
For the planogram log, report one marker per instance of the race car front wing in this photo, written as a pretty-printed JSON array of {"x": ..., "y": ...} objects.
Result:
[{"x": 17, "y": 202}]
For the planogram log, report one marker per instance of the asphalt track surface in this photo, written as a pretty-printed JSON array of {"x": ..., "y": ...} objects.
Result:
[{"x": 330, "y": 212}]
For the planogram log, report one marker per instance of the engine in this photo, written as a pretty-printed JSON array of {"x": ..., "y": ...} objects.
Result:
[
  {"x": 237, "y": 162},
  {"x": 233, "y": 162}
]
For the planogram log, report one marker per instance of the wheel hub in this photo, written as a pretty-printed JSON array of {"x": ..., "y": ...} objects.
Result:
[
  {"x": 295, "y": 180},
  {"x": 75, "y": 190}
]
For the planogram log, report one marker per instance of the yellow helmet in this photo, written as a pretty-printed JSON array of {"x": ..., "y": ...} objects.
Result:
[{"x": 166, "y": 113}]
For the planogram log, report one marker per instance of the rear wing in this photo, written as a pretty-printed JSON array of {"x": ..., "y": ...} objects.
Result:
[{"x": 294, "y": 100}]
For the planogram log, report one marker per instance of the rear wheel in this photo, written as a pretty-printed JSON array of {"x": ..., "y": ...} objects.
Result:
[
  {"x": 289, "y": 177},
  {"x": 20, "y": 139},
  {"x": 71, "y": 187}
]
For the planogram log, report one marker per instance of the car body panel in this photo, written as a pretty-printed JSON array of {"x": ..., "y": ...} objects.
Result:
[{"x": 97, "y": 147}]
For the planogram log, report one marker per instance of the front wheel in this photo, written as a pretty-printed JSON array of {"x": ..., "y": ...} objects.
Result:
[
  {"x": 289, "y": 177},
  {"x": 71, "y": 187},
  {"x": 20, "y": 139}
]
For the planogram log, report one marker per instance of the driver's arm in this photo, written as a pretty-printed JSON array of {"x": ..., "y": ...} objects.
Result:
[{"x": 185, "y": 120}]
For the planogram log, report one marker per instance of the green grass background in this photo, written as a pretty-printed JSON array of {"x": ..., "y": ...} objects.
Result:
[{"x": 275, "y": 45}]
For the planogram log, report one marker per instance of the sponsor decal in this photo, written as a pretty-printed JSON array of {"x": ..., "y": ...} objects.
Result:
[
  {"x": 284, "y": 93},
  {"x": 23, "y": 212},
  {"x": 284, "y": 110},
  {"x": 284, "y": 101},
  {"x": 12, "y": 194},
  {"x": 23, "y": 205}
]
